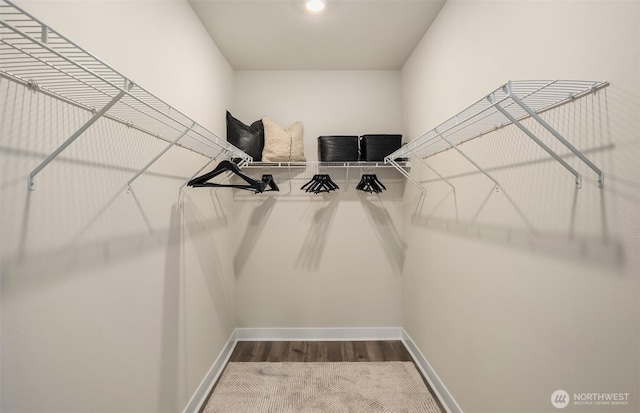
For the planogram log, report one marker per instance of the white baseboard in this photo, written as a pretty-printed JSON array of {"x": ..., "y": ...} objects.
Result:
[
  {"x": 203, "y": 390},
  {"x": 438, "y": 387},
  {"x": 318, "y": 334}
]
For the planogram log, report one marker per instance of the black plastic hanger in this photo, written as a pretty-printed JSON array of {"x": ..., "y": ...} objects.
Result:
[
  {"x": 371, "y": 184},
  {"x": 268, "y": 181},
  {"x": 227, "y": 166},
  {"x": 320, "y": 183}
]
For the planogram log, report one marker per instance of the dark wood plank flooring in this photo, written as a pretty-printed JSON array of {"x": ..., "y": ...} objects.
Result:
[
  {"x": 322, "y": 351},
  {"x": 319, "y": 351}
]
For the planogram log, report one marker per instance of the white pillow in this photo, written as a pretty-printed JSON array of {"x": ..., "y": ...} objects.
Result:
[{"x": 282, "y": 145}]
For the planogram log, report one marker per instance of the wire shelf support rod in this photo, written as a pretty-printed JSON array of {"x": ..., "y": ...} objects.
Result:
[
  {"x": 72, "y": 138},
  {"x": 534, "y": 115},
  {"x": 534, "y": 138}
]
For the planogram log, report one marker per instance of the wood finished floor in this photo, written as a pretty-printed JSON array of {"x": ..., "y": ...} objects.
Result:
[
  {"x": 322, "y": 351},
  {"x": 319, "y": 351}
]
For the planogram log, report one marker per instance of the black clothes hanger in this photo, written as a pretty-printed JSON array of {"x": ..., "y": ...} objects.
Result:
[
  {"x": 227, "y": 166},
  {"x": 268, "y": 181},
  {"x": 320, "y": 183},
  {"x": 371, "y": 184}
]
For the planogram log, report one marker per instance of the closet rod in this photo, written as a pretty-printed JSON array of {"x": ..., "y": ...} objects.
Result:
[{"x": 323, "y": 164}]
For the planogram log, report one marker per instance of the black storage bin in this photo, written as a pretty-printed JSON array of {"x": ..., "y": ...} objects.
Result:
[
  {"x": 376, "y": 147},
  {"x": 338, "y": 148}
]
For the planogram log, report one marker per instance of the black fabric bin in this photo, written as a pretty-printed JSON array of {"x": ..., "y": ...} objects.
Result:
[
  {"x": 338, "y": 148},
  {"x": 376, "y": 147}
]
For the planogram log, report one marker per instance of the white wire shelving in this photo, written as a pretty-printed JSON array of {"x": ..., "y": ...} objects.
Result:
[
  {"x": 346, "y": 170},
  {"x": 34, "y": 55},
  {"x": 304, "y": 170},
  {"x": 511, "y": 103},
  {"x": 324, "y": 164}
]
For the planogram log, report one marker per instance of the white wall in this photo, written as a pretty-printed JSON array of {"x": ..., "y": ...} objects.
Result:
[
  {"x": 327, "y": 102},
  {"x": 516, "y": 294},
  {"x": 320, "y": 260},
  {"x": 112, "y": 301}
]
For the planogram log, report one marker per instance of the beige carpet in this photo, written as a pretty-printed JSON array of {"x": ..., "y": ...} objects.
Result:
[{"x": 388, "y": 387}]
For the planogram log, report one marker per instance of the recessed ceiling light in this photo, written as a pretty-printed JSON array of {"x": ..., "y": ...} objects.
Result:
[{"x": 315, "y": 5}]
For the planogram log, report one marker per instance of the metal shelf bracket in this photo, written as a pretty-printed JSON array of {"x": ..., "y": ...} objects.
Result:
[
  {"x": 566, "y": 143},
  {"x": 44, "y": 34},
  {"x": 464, "y": 155},
  {"x": 453, "y": 188},
  {"x": 408, "y": 176},
  {"x": 151, "y": 162},
  {"x": 534, "y": 138},
  {"x": 71, "y": 139}
]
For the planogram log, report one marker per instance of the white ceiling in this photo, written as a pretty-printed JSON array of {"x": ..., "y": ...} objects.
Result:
[{"x": 347, "y": 35}]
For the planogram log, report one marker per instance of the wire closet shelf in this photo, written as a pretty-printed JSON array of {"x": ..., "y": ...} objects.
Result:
[
  {"x": 35, "y": 56},
  {"x": 325, "y": 164},
  {"x": 509, "y": 104}
]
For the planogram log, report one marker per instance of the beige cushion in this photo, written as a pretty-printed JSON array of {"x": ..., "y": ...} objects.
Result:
[{"x": 282, "y": 145}]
